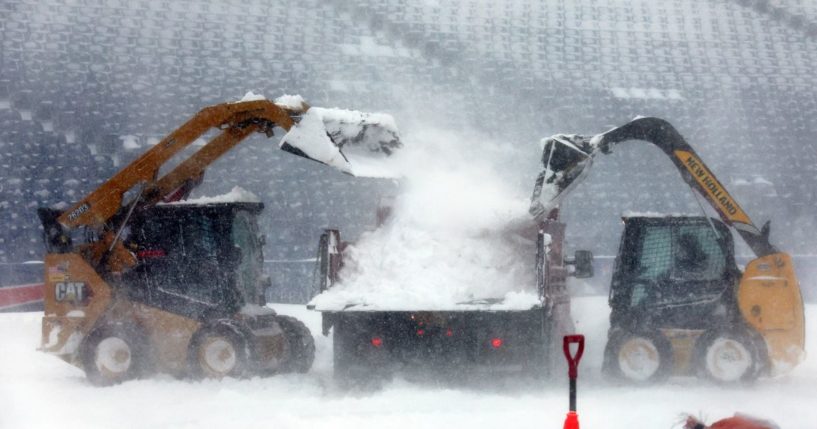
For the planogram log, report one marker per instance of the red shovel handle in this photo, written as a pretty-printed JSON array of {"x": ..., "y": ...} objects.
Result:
[{"x": 573, "y": 361}]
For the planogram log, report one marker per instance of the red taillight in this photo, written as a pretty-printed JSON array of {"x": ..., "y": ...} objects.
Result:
[
  {"x": 377, "y": 341},
  {"x": 421, "y": 332},
  {"x": 449, "y": 332},
  {"x": 496, "y": 342}
]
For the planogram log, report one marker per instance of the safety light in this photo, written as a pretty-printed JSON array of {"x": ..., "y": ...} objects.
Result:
[
  {"x": 421, "y": 332},
  {"x": 377, "y": 341},
  {"x": 496, "y": 342}
]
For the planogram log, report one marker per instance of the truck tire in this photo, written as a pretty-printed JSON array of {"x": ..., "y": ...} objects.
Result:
[
  {"x": 301, "y": 345},
  {"x": 640, "y": 358},
  {"x": 113, "y": 353},
  {"x": 218, "y": 351},
  {"x": 729, "y": 356}
]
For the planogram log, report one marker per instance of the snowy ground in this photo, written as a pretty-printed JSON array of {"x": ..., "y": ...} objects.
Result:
[{"x": 37, "y": 390}]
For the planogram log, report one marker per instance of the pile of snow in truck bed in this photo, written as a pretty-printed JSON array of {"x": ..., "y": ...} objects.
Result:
[
  {"x": 448, "y": 244},
  {"x": 41, "y": 391}
]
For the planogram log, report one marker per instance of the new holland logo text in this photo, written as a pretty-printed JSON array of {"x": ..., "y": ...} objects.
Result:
[{"x": 712, "y": 187}]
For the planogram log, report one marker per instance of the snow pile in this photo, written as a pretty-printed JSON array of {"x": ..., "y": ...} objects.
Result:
[
  {"x": 449, "y": 244},
  {"x": 236, "y": 195}
]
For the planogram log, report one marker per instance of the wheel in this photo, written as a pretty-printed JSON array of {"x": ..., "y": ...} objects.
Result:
[
  {"x": 112, "y": 354},
  {"x": 301, "y": 345},
  {"x": 728, "y": 356},
  {"x": 639, "y": 357},
  {"x": 218, "y": 351}
]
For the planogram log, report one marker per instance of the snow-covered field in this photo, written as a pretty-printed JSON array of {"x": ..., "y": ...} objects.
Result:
[{"x": 37, "y": 390}]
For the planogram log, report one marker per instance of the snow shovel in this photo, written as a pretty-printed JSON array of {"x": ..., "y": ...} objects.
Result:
[
  {"x": 354, "y": 142},
  {"x": 572, "y": 420}
]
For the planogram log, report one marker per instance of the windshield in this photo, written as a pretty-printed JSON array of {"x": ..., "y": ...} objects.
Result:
[{"x": 250, "y": 268}]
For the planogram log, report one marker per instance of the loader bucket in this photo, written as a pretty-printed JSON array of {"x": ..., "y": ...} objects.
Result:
[
  {"x": 567, "y": 159},
  {"x": 354, "y": 142}
]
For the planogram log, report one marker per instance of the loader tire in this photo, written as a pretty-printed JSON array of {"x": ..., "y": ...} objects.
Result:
[
  {"x": 113, "y": 353},
  {"x": 639, "y": 358},
  {"x": 301, "y": 345},
  {"x": 219, "y": 351},
  {"x": 729, "y": 356}
]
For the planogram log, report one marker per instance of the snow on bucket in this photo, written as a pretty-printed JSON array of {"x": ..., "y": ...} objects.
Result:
[{"x": 354, "y": 142}]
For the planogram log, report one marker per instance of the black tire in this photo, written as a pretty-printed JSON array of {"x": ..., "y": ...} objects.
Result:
[
  {"x": 113, "y": 353},
  {"x": 639, "y": 358},
  {"x": 219, "y": 351},
  {"x": 729, "y": 356},
  {"x": 301, "y": 345}
]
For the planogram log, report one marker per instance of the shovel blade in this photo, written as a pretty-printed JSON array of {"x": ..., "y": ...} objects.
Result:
[{"x": 354, "y": 142}]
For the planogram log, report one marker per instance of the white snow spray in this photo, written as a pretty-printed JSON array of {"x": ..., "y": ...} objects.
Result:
[{"x": 448, "y": 243}]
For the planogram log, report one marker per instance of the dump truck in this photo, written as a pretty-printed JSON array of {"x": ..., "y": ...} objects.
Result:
[{"x": 484, "y": 336}]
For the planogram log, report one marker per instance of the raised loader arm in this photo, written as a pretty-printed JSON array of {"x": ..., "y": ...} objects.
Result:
[
  {"x": 694, "y": 172},
  {"x": 237, "y": 120},
  {"x": 314, "y": 133},
  {"x": 768, "y": 294}
]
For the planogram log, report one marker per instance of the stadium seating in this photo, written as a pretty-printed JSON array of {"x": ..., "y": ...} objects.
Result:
[{"x": 736, "y": 77}]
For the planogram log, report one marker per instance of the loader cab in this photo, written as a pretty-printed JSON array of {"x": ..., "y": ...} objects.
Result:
[
  {"x": 673, "y": 271},
  {"x": 198, "y": 260}
]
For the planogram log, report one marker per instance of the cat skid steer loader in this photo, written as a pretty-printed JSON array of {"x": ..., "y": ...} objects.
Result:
[
  {"x": 139, "y": 280},
  {"x": 679, "y": 302}
]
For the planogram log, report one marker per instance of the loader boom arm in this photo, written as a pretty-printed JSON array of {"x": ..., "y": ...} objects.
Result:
[
  {"x": 567, "y": 158},
  {"x": 236, "y": 120},
  {"x": 694, "y": 172}
]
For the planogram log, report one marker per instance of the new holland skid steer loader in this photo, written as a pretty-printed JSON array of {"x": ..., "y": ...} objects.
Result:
[
  {"x": 139, "y": 280},
  {"x": 679, "y": 302}
]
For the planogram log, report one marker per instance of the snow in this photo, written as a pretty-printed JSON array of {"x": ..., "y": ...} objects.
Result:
[
  {"x": 290, "y": 101},
  {"x": 360, "y": 156},
  {"x": 646, "y": 93},
  {"x": 255, "y": 310},
  {"x": 236, "y": 195},
  {"x": 251, "y": 96},
  {"x": 631, "y": 213},
  {"x": 451, "y": 243},
  {"x": 309, "y": 135},
  {"x": 130, "y": 142},
  {"x": 41, "y": 391}
]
